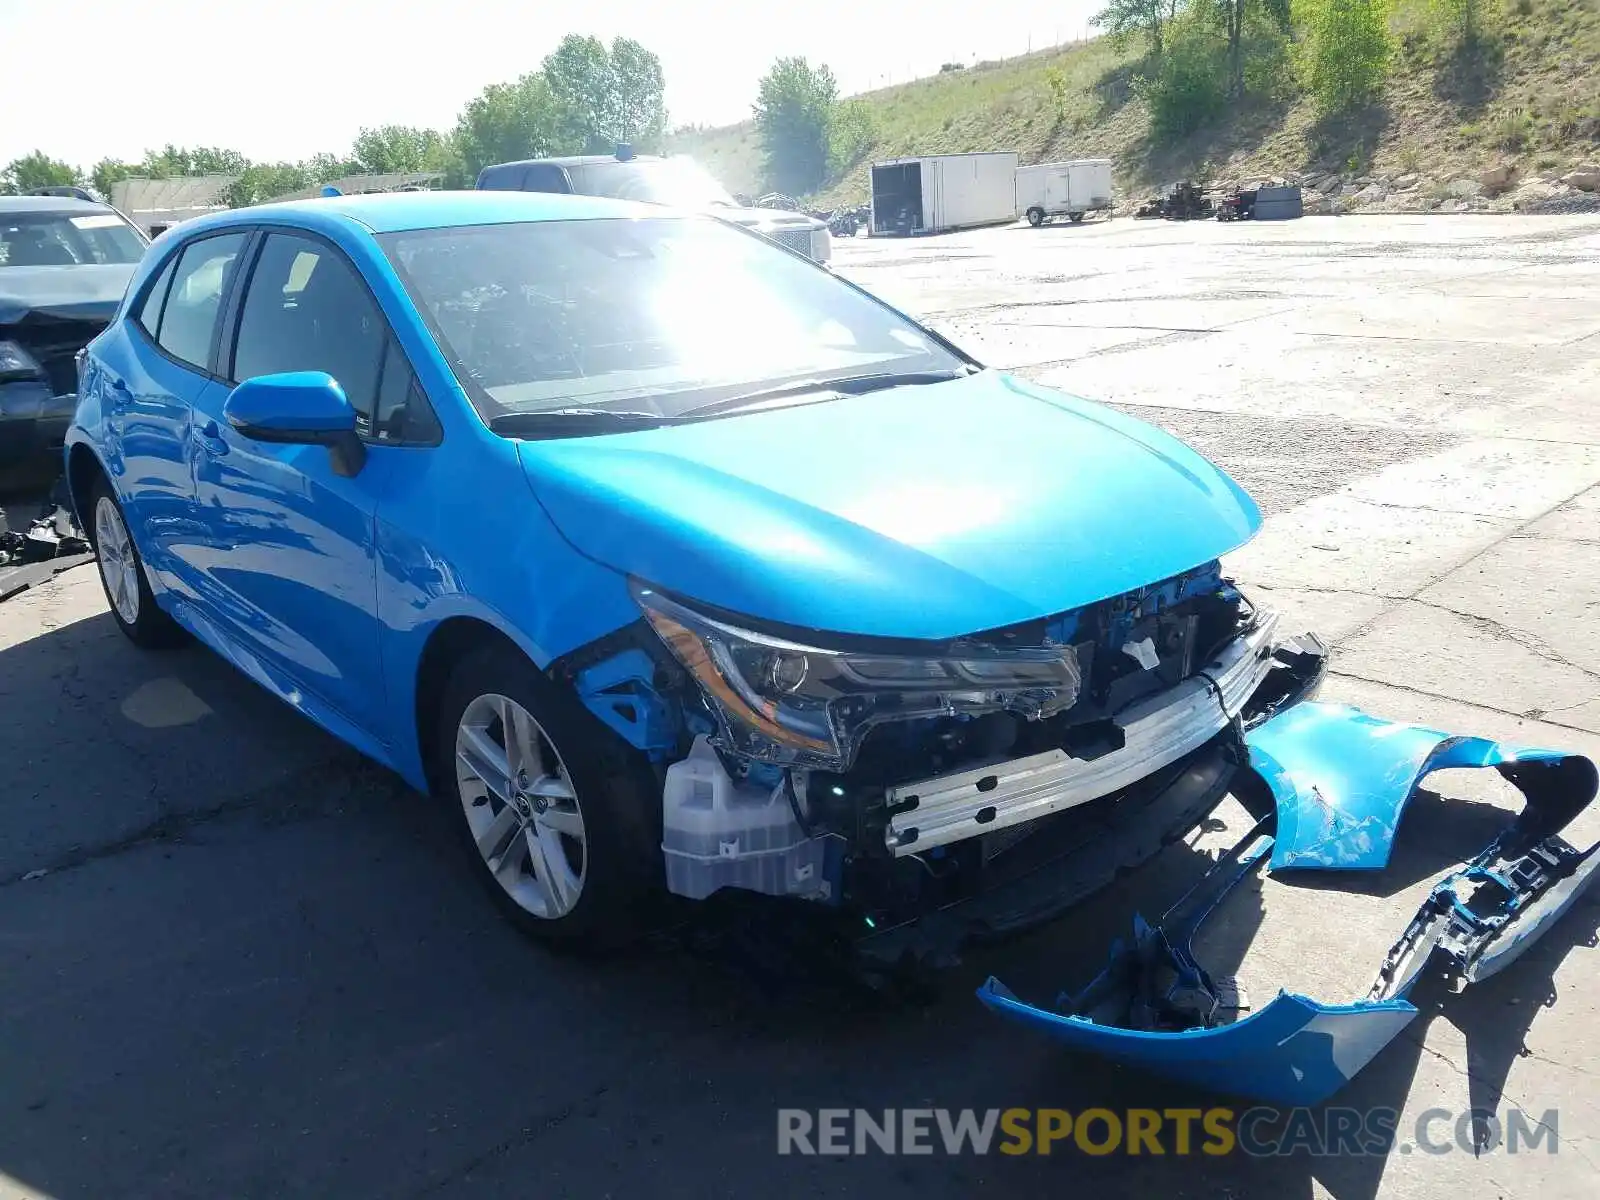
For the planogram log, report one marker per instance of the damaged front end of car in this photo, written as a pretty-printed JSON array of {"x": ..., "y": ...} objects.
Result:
[
  {"x": 943, "y": 792},
  {"x": 1339, "y": 781}
]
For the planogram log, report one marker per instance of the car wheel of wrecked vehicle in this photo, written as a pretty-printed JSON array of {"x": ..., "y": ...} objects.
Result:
[
  {"x": 1036, "y": 217},
  {"x": 133, "y": 607},
  {"x": 560, "y": 818}
]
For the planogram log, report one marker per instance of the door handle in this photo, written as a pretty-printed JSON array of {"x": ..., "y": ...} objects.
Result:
[
  {"x": 121, "y": 393},
  {"x": 211, "y": 439}
]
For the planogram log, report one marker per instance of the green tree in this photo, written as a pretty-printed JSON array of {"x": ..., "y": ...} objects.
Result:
[
  {"x": 36, "y": 170},
  {"x": 320, "y": 168},
  {"x": 1124, "y": 20},
  {"x": 578, "y": 75},
  {"x": 107, "y": 173},
  {"x": 1236, "y": 16},
  {"x": 1189, "y": 84},
  {"x": 1060, "y": 91},
  {"x": 851, "y": 132},
  {"x": 173, "y": 160},
  {"x": 605, "y": 96},
  {"x": 1458, "y": 17},
  {"x": 1344, "y": 53},
  {"x": 507, "y": 121},
  {"x": 390, "y": 149},
  {"x": 641, "y": 94},
  {"x": 793, "y": 112},
  {"x": 260, "y": 182}
]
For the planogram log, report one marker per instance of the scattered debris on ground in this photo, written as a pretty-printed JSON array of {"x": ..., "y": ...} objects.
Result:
[{"x": 51, "y": 542}]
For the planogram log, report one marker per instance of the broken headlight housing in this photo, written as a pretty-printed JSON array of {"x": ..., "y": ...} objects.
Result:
[
  {"x": 17, "y": 363},
  {"x": 787, "y": 702}
]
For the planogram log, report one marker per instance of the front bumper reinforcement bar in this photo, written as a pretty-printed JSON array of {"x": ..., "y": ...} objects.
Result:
[{"x": 1157, "y": 732}]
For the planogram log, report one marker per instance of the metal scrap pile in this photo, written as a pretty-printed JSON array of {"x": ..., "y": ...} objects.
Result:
[{"x": 1181, "y": 202}]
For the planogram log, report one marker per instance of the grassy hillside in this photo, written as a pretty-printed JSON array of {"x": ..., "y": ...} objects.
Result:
[{"x": 1530, "y": 94}]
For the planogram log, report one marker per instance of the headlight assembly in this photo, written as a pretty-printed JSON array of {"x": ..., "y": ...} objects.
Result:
[
  {"x": 17, "y": 363},
  {"x": 786, "y": 702}
]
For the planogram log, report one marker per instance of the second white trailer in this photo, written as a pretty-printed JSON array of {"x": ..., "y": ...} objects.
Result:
[
  {"x": 1068, "y": 189},
  {"x": 941, "y": 192}
]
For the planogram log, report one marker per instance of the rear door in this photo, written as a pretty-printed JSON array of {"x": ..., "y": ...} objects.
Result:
[
  {"x": 1059, "y": 187},
  {"x": 149, "y": 385},
  {"x": 290, "y": 559}
]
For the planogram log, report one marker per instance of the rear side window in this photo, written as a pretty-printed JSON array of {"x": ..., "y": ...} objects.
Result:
[
  {"x": 307, "y": 310},
  {"x": 520, "y": 177},
  {"x": 194, "y": 298},
  {"x": 545, "y": 177}
]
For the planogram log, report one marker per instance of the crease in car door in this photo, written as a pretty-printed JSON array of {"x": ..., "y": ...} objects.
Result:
[{"x": 292, "y": 559}]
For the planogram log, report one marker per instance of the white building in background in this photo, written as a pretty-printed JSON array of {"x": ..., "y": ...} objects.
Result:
[
  {"x": 361, "y": 185},
  {"x": 154, "y": 204}
]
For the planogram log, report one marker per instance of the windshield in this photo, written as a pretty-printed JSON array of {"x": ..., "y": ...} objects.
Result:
[
  {"x": 55, "y": 239},
  {"x": 677, "y": 182},
  {"x": 657, "y": 315}
]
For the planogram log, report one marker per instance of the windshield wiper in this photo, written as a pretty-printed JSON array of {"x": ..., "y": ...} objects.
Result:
[
  {"x": 574, "y": 422},
  {"x": 590, "y": 422},
  {"x": 850, "y": 385}
]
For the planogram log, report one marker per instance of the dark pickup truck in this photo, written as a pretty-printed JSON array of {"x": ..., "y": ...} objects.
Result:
[{"x": 678, "y": 182}]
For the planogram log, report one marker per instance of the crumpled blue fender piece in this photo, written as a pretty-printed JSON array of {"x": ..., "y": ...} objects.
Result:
[
  {"x": 1340, "y": 780},
  {"x": 1295, "y": 1051}
]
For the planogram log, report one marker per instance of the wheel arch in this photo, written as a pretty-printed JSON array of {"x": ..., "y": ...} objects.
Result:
[
  {"x": 448, "y": 643},
  {"x": 84, "y": 469}
]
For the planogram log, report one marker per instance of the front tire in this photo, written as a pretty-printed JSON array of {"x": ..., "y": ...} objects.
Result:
[
  {"x": 122, "y": 575},
  {"x": 560, "y": 819},
  {"x": 1036, "y": 217}
]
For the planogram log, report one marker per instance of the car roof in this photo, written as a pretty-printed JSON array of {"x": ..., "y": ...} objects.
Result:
[
  {"x": 393, "y": 212},
  {"x": 51, "y": 204},
  {"x": 575, "y": 160}
]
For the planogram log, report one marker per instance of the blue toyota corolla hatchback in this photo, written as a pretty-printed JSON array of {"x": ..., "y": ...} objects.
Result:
[{"x": 672, "y": 561}]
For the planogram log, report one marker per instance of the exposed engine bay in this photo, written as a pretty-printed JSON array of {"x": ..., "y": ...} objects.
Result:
[{"x": 902, "y": 777}]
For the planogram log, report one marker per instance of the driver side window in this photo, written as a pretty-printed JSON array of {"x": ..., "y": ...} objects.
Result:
[{"x": 307, "y": 310}]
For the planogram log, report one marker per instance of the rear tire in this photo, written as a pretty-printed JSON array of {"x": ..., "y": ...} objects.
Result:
[
  {"x": 1036, "y": 217},
  {"x": 560, "y": 819},
  {"x": 122, "y": 576}
]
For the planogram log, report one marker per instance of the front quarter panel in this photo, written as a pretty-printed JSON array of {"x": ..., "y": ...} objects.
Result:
[{"x": 460, "y": 534}]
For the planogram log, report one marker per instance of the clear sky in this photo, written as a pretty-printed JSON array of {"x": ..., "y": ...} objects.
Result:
[{"x": 282, "y": 79}]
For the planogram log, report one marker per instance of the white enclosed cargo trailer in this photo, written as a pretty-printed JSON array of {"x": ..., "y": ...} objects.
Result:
[
  {"x": 941, "y": 192},
  {"x": 1068, "y": 189}
]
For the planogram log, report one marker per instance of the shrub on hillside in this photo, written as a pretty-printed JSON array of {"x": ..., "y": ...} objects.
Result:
[
  {"x": 1190, "y": 82},
  {"x": 1344, "y": 53},
  {"x": 850, "y": 135}
]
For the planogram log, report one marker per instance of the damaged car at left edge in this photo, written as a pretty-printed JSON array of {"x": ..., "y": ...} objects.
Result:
[
  {"x": 674, "y": 562},
  {"x": 64, "y": 265}
]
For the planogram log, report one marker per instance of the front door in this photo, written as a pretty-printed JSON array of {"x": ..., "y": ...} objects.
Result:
[{"x": 290, "y": 558}]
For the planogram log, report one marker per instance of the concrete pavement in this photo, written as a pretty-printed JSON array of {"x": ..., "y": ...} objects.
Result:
[{"x": 235, "y": 959}]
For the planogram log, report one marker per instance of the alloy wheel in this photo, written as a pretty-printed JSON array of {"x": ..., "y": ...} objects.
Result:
[
  {"x": 119, "y": 568},
  {"x": 521, "y": 806}
]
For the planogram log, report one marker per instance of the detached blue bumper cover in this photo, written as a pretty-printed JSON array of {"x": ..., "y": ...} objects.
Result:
[{"x": 1339, "y": 780}]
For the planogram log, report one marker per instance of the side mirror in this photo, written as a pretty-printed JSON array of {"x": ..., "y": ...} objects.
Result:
[{"x": 298, "y": 408}]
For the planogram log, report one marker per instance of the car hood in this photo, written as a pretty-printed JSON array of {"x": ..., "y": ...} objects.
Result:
[
  {"x": 89, "y": 292},
  {"x": 919, "y": 512},
  {"x": 768, "y": 218}
]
